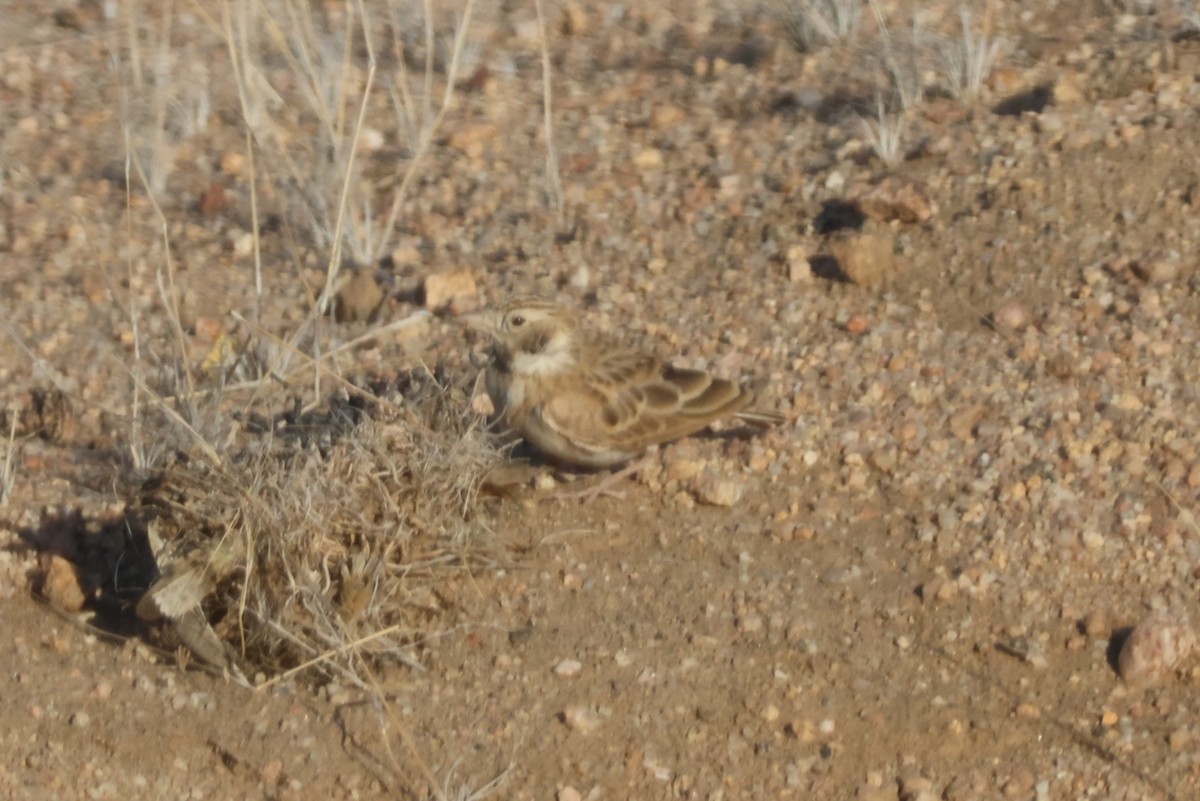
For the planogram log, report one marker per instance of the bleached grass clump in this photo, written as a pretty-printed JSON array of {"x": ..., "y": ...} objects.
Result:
[
  {"x": 813, "y": 23},
  {"x": 349, "y": 518},
  {"x": 969, "y": 59},
  {"x": 885, "y": 135},
  {"x": 166, "y": 93}
]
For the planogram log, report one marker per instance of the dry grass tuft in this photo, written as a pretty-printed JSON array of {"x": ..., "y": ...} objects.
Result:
[
  {"x": 885, "y": 135},
  {"x": 325, "y": 533},
  {"x": 810, "y": 24}
]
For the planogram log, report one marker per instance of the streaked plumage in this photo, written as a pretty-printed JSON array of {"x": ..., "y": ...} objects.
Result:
[{"x": 588, "y": 403}]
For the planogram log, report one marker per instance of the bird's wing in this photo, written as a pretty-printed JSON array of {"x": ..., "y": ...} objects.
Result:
[
  {"x": 570, "y": 427},
  {"x": 637, "y": 401}
]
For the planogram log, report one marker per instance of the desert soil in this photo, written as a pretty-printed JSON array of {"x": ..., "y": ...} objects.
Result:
[{"x": 916, "y": 589}]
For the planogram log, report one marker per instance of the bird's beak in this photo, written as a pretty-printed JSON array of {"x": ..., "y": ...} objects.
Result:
[{"x": 483, "y": 322}]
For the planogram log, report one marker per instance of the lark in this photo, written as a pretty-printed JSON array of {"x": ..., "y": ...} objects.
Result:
[{"x": 585, "y": 402}]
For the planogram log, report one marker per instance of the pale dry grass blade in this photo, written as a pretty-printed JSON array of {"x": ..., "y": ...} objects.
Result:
[
  {"x": 7, "y": 477},
  {"x": 552, "y": 172},
  {"x": 241, "y": 81},
  {"x": 430, "y": 126},
  {"x": 335, "y": 261},
  {"x": 332, "y": 653},
  {"x": 885, "y": 135}
]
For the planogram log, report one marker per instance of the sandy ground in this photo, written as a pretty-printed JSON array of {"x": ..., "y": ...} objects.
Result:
[{"x": 915, "y": 589}]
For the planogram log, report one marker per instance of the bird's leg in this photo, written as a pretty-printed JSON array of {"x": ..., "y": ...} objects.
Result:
[{"x": 604, "y": 486}]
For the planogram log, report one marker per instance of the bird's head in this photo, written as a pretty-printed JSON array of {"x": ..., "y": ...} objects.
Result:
[{"x": 532, "y": 336}]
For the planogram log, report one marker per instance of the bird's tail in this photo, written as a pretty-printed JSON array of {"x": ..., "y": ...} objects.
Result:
[{"x": 760, "y": 419}]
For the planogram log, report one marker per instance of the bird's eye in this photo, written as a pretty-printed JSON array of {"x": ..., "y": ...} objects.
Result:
[{"x": 516, "y": 321}]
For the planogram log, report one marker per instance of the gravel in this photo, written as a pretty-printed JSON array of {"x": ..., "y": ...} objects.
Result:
[{"x": 917, "y": 588}]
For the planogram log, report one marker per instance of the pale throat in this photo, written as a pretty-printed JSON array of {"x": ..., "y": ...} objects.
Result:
[{"x": 554, "y": 358}]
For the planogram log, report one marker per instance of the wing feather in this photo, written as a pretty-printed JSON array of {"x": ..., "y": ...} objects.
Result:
[{"x": 644, "y": 401}]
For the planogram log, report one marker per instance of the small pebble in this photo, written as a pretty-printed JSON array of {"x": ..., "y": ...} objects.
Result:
[
  {"x": 568, "y": 667},
  {"x": 716, "y": 490},
  {"x": 1012, "y": 316},
  {"x": 894, "y": 199},
  {"x": 799, "y": 268},
  {"x": 1158, "y": 267},
  {"x": 867, "y": 260},
  {"x": 1179, "y": 739},
  {"x": 858, "y": 324},
  {"x": 1095, "y": 624},
  {"x": 455, "y": 290},
  {"x": 581, "y": 719},
  {"x": 1028, "y": 711}
]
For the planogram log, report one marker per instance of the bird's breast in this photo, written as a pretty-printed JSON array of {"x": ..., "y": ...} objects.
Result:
[{"x": 514, "y": 394}]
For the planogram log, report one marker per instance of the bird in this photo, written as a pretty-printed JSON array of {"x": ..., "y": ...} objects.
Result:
[{"x": 585, "y": 402}]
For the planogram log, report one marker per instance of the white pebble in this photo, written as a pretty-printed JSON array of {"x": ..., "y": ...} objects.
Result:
[
  {"x": 581, "y": 719},
  {"x": 718, "y": 491},
  {"x": 568, "y": 668}
]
